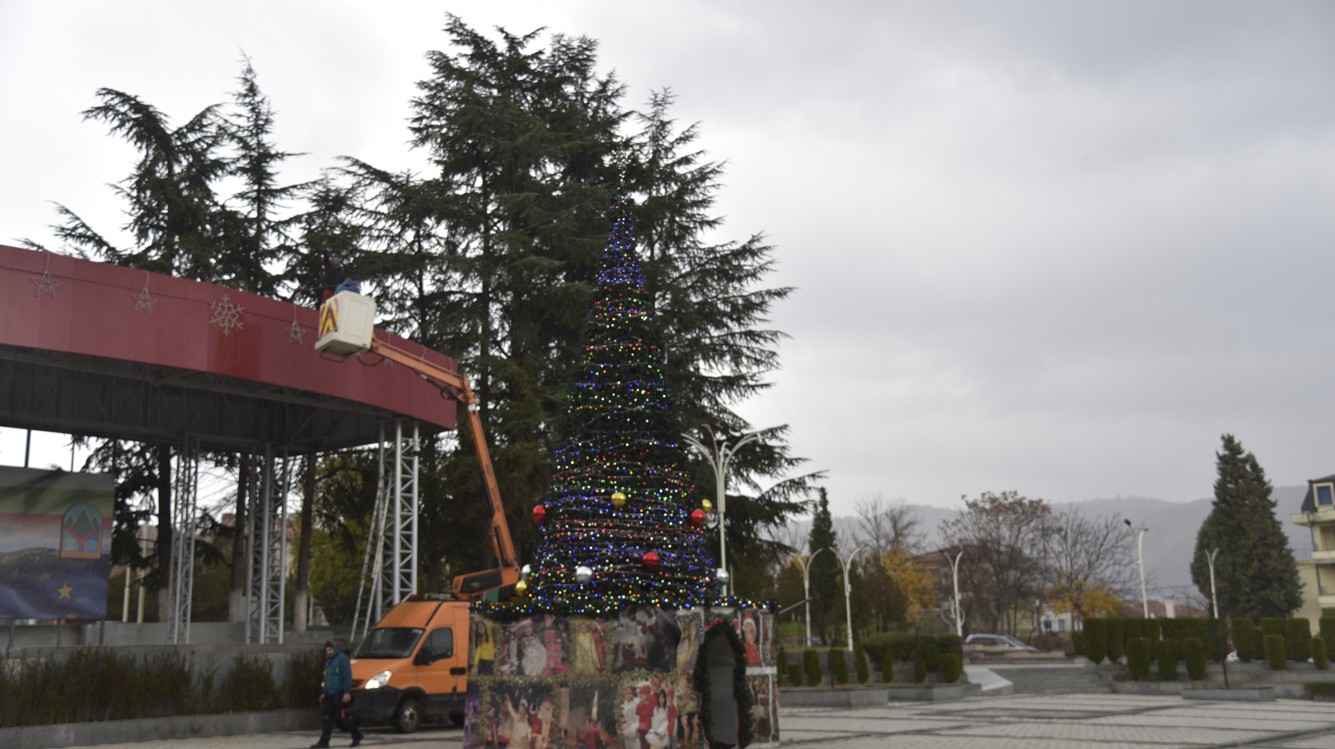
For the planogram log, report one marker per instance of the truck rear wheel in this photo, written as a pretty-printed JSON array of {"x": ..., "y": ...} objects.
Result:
[{"x": 408, "y": 715}]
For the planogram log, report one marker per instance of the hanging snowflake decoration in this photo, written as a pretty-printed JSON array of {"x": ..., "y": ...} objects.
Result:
[{"x": 226, "y": 315}]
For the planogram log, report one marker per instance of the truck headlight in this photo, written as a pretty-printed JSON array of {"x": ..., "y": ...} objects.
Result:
[{"x": 379, "y": 680}]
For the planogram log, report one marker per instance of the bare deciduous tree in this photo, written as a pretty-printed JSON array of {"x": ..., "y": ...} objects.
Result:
[
  {"x": 1089, "y": 560},
  {"x": 888, "y": 525}
]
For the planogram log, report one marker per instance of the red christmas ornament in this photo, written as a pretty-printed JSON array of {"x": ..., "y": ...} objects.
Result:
[
  {"x": 650, "y": 560},
  {"x": 539, "y": 514},
  {"x": 697, "y": 517}
]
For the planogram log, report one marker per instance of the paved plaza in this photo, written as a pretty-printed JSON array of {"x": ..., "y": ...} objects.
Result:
[{"x": 1101, "y": 721}]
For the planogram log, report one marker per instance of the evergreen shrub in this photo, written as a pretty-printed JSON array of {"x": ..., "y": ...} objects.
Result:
[
  {"x": 887, "y": 666},
  {"x": 811, "y": 665},
  {"x": 1096, "y": 640},
  {"x": 931, "y": 657},
  {"x": 860, "y": 664},
  {"x": 1116, "y": 639},
  {"x": 951, "y": 667},
  {"x": 919, "y": 667},
  {"x": 795, "y": 674},
  {"x": 1216, "y": 639},
  {"x": 1166, "y": 659},
  {"x": 1298, "y": 639},
  {"x": 1193, "y": 653},
  {"x": 1319, "y": 657},
  {"x": 1327, "y": 626},
  {"x": 1274, "y": 652},
  {"x": 1138, "y": 658},
  {"x": 1244, "y": 638},
  {"x": 838, "y": 665}
]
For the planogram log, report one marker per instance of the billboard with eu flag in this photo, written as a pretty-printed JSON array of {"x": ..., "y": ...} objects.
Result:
[{"x": 55, "y": 544}]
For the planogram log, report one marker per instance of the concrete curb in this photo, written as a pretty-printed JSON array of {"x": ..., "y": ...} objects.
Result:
[{"x": 156, "y": 729}]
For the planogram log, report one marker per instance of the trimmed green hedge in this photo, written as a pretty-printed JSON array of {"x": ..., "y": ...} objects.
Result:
[
  {"x": 98, "y": 683},
  {"x": 904, "y": 645},
  {"x": 1319, "y": 657}
]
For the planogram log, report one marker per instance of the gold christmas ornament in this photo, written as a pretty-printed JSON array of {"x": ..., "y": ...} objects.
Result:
[
  {"x": 706, "y": 505},
  {"x": 521, "y": 587},
  {"x": 618, "y": 499}
]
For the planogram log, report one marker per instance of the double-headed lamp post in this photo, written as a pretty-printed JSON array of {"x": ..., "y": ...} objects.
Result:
[
  {"x": 1140, "y": 558},
  {"x": 719, "y": 454},
  {"x": 955, "y": 576},
  {"x": 848, "y": 591},
  {"x": 1214, "y": 600},
  {"x": 806, "y": 588}
]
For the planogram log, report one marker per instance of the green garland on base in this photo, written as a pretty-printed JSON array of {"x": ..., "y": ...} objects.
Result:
[{"x": 740, "y": 691}]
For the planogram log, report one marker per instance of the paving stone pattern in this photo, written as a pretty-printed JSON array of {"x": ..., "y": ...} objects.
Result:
[{"x": 1026, "y": 721}]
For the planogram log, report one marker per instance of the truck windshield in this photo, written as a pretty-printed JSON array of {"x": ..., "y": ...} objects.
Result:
[{"x": 390, "y": 642}]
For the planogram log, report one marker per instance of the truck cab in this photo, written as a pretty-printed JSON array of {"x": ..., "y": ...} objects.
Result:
[{"x": 413, "y": 665}]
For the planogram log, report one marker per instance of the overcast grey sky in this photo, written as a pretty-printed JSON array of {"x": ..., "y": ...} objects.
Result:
[{"x": 1052, "y": 247}]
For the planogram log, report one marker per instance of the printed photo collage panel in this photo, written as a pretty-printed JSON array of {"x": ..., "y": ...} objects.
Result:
[{"x": 548, "y": 681}]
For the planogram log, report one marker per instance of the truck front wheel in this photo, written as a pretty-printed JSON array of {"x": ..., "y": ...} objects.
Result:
[{"x": 408, "y": 715}]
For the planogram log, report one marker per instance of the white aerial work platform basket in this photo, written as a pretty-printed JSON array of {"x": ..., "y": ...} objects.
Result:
[{"x": 347, "y": 320}]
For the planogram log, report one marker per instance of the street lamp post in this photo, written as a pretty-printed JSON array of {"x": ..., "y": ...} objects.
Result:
[
  {"x": 1214, "y": 600},
  {"x": 848, "y": 591},
  {"x": 1140, "y": 558},
  {"x": 719, "y": 457},
  {"x": 806, "y": 589},
  {"x": 955, "y": 575}
]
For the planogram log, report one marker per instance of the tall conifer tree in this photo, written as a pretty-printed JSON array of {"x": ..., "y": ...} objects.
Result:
[
  {"x": 1255, "y": 572},
  {"x": 823, "y": 573}
]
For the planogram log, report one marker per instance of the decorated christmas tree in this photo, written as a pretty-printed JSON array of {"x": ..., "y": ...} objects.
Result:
[{"x": 620, "y": 524}]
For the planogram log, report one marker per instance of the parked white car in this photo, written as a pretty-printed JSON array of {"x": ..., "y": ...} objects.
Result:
[{"x": 984, "y": 645}]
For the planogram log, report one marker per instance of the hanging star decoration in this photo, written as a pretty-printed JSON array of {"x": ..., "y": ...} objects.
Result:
[
  {"x": 296, "y": 333},
  {"x": 46, "y": 285},
  {"x": 226, "y": 315},
  {"x": 144, "y": 301}
]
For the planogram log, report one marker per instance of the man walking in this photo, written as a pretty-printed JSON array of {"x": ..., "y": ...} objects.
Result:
[{"x": 336, "y": 697}]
